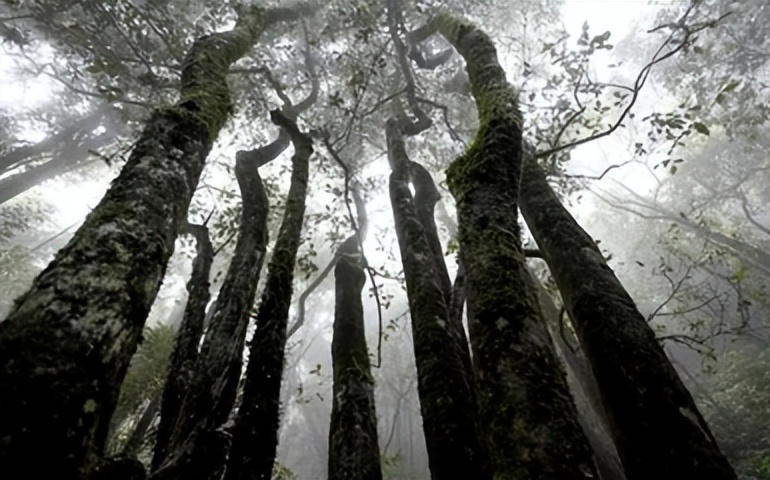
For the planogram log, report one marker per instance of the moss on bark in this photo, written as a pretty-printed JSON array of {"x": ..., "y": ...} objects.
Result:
[
  {"x": 524, "y": 402},
  {"x": 353, "y": 448},
  {"x": 657, "y": 427},
  {"x": 255, "y": 430},
  {"x": 182, "y": 362},
  {"x": 211, "y": 391},
  {"x": 454, "y": 442},
  {"x": 66, "y": 345}
]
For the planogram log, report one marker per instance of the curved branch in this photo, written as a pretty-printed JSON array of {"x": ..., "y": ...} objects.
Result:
[{"x": 641, "y": 78}]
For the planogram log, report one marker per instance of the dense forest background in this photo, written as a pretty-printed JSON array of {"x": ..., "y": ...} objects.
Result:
[{"x": 649, "y": 122}]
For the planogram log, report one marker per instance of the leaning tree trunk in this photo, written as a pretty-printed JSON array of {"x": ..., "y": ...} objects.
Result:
[
  {"x": 211, "y": 391},
  {"x": 657, "y": 427},
  {"x": 354, "y": 451},
  {"x": 181, "y": 366},
  {"x": 454, "y": 442},
  {"x": 66, "y": 345},
  {"x": 255, "y": 428},
  {"x": 524, "y": 400},
  {"x": 582, "y": 384}
]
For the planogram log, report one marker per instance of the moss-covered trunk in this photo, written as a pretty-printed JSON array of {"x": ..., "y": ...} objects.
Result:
[
  {"x": 66, "y": 345},
  {"x": 455, "y": 446},
  {"x": 182, "y": 363},
  {"x": 255, "y": 429},
  {"x": 525, "y": 405},
  {"x": 210, "y": 394},
  {"x": 353, "y": 447},
  {"x": 657, "y": 427}
]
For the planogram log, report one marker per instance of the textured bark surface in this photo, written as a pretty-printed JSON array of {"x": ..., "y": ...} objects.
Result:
[
  {"x": 182, "y": 363},
  {"x": 354, "y": 452},
  {"x": 426, "y": 195},
  {"x": 255, "y": 431},
  {"x": 657, "y": 427},
  {"x": 210, "y": 393},
  {"x": 582, "y": 384},
  {"x": 524, "y": 402},
  {"x": 67, "y": 343},
  {"x": 454, "y": 442}
]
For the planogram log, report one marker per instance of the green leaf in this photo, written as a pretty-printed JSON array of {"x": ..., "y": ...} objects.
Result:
[
  {"x": 731, "y": 86},
  {"x": 701, "y": 128}
]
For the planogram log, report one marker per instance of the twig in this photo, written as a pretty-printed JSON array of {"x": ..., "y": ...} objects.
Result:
[{"x": 641, "y": 79}]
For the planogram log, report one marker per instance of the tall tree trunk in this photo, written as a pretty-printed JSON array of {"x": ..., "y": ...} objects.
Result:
[
  {"x": 524, "y": 400},
  {"x": 210, "y": 393},
  {"x": 591, "y": 415},
  {"x": 657, "y": 427},
  {"x": 455, "y": 445},
  {"x": 182, "y": 363},
  {"x": 66, "y": 345},
  {"x": 354, "y": 452},
  {"x": 255, "y": 429},
  {"x": 426, "y": 195},
  {"x": 135, "y": 440}
]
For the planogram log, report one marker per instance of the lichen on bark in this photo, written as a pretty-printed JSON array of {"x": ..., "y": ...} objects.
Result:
[
  {"x": 455, "y": 445},
  {"x": 524, "y": 401},
  {"x": 67, "y": 343},
  {"x": 353, "y": 445},
  {"x": 255, "y": 427},
  {"x": 657, "y": 428}
]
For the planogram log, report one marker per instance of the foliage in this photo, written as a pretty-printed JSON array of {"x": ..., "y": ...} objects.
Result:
[
  {"x": 147, "y": 373},
  {"x": 734, "y": 401},
  {"x": 282, "y": 472},
  {"x": 127, "y": 54}
]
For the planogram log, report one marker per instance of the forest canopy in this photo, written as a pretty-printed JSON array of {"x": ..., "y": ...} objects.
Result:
[{"x": 384, "y": 239}]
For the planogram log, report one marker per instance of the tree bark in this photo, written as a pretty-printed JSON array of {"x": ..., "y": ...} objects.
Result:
[
  {"x": 134, "y": 442},
  {"x": 66, "y": 345},
  {"x": 455, "y": 445},
  {"x": 657, "y": 427},
  {"x": 255, "y": 429},
  {"x": 210, "y": 393},
  {"x": 182, "y": 363},
  {"x": 354, "y": 452},
  {"x": 591, "y": 415},
  {"x": 426, "y": 195},
  {"x": 524, "y": 400}
]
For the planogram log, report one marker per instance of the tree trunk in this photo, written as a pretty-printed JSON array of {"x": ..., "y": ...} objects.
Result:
[
  {"x": 582, "y": 384},
  {"x": 354, "y": 452},
  {"x": 255, "y": 430},
  {"x": 524, "y": 400},
  {"x": 182, "y": 363},
  {"x": 657, "y": 427},
  {"x": 134, "y": 442},
  {"x": 210, "y": 393},
  {"x": 455, "y": 445},
  {"x": 66, "y": 345}
]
